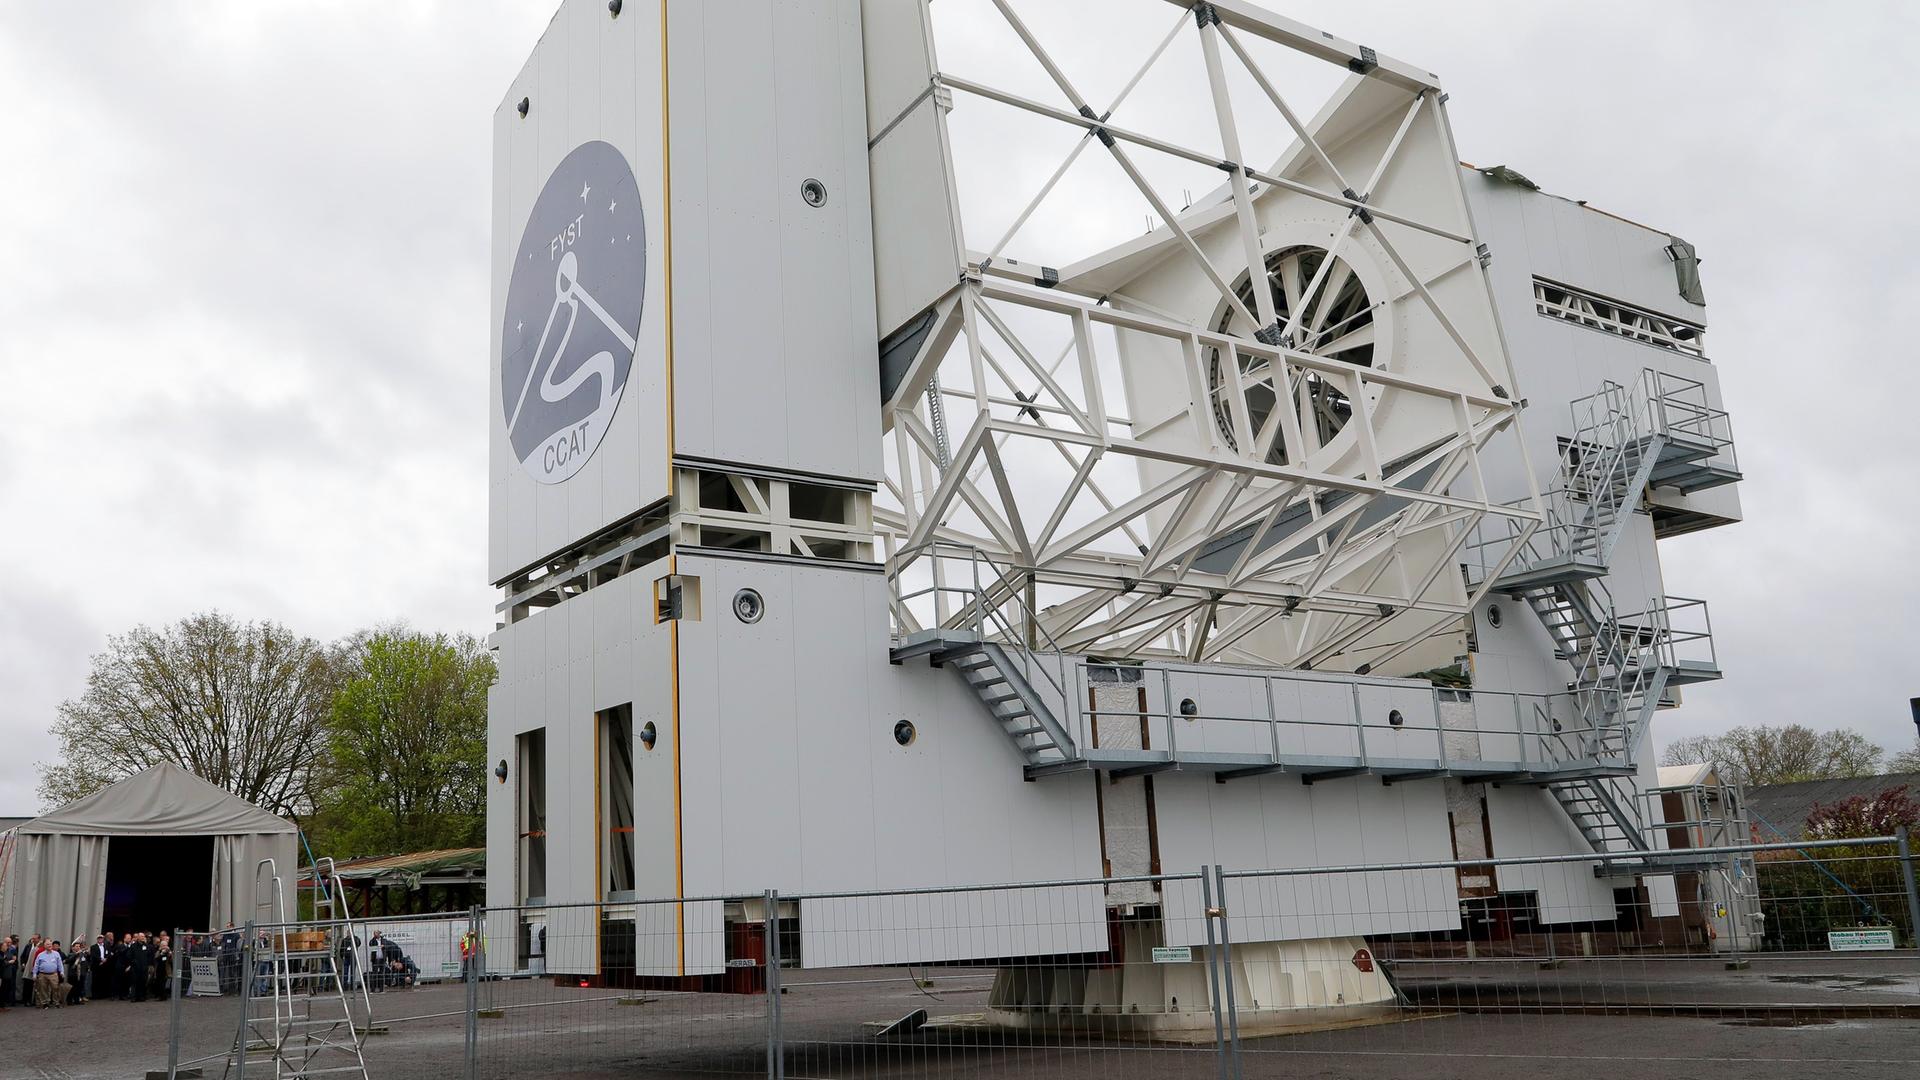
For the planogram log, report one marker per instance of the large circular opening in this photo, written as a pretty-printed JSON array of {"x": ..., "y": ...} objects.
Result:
[{"x": 1335, "y": 320}]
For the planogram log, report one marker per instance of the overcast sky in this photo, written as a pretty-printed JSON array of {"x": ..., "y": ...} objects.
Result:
[{"x": 244, "y": 312}]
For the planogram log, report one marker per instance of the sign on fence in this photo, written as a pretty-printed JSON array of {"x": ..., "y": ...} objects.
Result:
[
  {"x": 1865, "y": 940},
  {"x": 1178, "y": 954},
  {"x": 205, "y": 980}
]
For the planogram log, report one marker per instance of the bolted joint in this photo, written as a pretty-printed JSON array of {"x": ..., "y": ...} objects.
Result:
[
  {"x": 1087, "y": 111},
  {"x": 1027, "y": 409},
  {"x": 1359, "y": 208},
  {"x": 1049, "y": 277},
  {"x": 1105, "y": 138},
  {"x": 1483, "y": 253},
  {"x": 1228, "y": 167},
  {"x": 1269, "y": 335},
  {"x": 1365, "y": 62},
  {"x": 1501, "y": 393},
  {"x": 1204, "y": 15}
]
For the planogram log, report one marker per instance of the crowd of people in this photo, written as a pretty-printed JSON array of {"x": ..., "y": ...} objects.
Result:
[{"x": 48, "y": 974}]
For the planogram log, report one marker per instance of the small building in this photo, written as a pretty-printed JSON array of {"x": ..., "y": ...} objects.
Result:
[
  {"x": 159, "y": 850},
  {"x": 416, "y": 883}
]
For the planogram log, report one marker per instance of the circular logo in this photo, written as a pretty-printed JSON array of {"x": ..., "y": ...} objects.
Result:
[{"x": 573, "y": 312}]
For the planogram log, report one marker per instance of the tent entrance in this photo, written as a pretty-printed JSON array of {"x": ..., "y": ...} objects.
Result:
[{"x": 158, "y": 883}]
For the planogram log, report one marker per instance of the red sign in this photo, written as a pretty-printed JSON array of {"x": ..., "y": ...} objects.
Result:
[{"x": 1363, "y": 960}]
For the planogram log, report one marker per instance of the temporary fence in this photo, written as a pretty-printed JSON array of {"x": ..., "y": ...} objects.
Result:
[{"x": 1715, "y": 958}]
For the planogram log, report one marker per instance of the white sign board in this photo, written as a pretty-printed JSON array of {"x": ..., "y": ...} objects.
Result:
[
  {"x": 1177, "y": 954},
  {"x": 433, "y": 944},
  {"x": 205, "y": 977},
  {"x": 1870, "y": 939}
]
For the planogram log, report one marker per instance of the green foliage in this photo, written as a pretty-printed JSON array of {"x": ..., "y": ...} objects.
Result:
[
  {"x": 405, "y": 746},
  {"x": 1848, "y": 887}
]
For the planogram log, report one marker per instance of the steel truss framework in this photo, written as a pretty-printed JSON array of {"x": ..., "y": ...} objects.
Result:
[{"x": 1106, "y": 540}]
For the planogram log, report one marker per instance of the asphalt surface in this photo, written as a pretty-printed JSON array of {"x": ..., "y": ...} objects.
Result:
[{"x": 1785, "y": 1018}]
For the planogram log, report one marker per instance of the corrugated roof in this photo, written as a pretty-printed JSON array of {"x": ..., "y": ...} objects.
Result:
[
  {"x": 1780, "y": 810},
  {"x": 420, "y": 863}
]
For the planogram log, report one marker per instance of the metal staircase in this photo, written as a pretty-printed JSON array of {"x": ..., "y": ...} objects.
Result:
[
  {"x": 304, "y": 1025},
  {"x": 1001, "y": 685},
  {"x": 1660, "y": 431},
  {"x": 1610, "y": 823}
]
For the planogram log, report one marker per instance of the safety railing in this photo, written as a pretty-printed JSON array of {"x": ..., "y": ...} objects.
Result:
[
  {"x": 1678, "y": 408},
  {"x": 993, "y": 605},
  {"x": 1302, "y": 716}
]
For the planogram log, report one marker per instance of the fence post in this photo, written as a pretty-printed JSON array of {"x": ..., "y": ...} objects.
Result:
[
  {"x": 245, "y": 1037},
  {"x": 472, "y": 978},
  {"x": 173, "y": 1009},
  {"x": 1913, "y": 895},
  {"x": 1226, "y": 970},
  {"x": 1734, "y": 962},
  {"x": 1207, "y": 914},
  {"x": 776, "y": 1039}
]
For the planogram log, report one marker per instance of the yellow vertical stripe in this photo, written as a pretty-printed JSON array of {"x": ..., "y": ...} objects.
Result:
[{"x": 673, "y": 630}]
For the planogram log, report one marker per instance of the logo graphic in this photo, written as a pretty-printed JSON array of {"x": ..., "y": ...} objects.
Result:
[{"x": 573, "y": 312}]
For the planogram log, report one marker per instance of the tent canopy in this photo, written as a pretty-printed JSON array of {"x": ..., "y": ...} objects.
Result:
[
  {"x": 53, "y": 869},
  {"x": 162, "y": 800}
]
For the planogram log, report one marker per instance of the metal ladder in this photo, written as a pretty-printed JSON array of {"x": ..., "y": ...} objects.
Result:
[{"x": 305, "y": 1026}]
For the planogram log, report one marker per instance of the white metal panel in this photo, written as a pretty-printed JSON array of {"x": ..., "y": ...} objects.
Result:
[
  {"x": 1526, "y": 821},
  {"x": 1277, "y": 822},
  {"x": 918, "y": 251},
  {"x": 590, "y": 78},
  {"x": 773, "y": 298}
]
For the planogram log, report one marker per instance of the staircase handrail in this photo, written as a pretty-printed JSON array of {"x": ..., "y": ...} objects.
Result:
[{"x": 1676, "y": 406}]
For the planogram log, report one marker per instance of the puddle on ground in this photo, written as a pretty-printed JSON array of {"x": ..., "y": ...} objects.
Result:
[{"x": 1841, "y": 982}]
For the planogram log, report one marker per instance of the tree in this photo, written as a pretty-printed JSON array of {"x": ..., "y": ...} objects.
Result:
[
  {"x": 238, "y": 704},
  {"x": 1906, "y": 761},
  {"x": 1765, "y": 754},
  {"x": 1859, "y": 816},
  {"x": 406, "y": 742}
]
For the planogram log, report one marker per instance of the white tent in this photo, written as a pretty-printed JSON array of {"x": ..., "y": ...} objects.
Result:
[{"x": 54, "y": 869}]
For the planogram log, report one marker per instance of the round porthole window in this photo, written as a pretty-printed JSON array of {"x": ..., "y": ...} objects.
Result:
[
  {"x": 500, "y": 771},
  {"x": 748, "y": 605},
  {"x": 1493, "y": 616},
  {"x": 1394, "y": 719},
  {"x": 1189, "y": 708},
  {"x": 904, "y": 732},
  {"x": 648, "y": 734},
  {"x": 813, "y": 192}
]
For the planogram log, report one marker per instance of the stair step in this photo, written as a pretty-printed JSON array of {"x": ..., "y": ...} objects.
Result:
[
  {"x": 1017, "y": 732},
  {"x": 995, "y": 699}
]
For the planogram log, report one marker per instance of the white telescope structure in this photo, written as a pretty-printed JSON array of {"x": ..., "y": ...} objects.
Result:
[{"x": 941, "y": 444}]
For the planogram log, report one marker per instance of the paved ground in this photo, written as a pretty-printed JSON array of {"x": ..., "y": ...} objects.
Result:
[{"x": 1785, "y": 1019}]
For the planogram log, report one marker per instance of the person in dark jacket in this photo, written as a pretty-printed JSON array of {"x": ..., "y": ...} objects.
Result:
[
  {"x": 99, "y": 960},
  {"x": 9, "y": 969},
  {"x": 122, "y": 982},
  {"x": 76, "y": 959},
  {"x": 230, "y": 960},
  {"x": 163, "y": 966},
  {"x": 349, "y": 959},
  {"x": 139, "y": 966}
]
